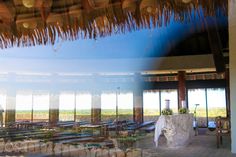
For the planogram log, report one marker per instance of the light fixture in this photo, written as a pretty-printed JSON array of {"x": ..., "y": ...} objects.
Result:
[
  {"x": 25, "y": 25},
  {"x": 30, "y": 24},
  {"x": 28, "y": 3},
  {"x": 149, "y": 6},
  {"x": 186, "y": 1},
  {"x": 149, "y": 9}
]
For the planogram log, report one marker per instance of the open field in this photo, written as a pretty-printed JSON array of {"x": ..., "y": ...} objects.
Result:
[{"x": 110, "y": 114}]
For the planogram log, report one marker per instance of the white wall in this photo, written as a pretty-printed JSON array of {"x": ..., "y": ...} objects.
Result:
[{"x": 232, "y": 65}]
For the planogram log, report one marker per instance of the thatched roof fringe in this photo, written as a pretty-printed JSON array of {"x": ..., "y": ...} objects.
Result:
[{"x": 105, "y": 21}]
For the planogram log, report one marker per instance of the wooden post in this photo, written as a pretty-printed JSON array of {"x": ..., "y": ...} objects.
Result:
[
  {"x": 181, "y": 88},
  {"x": 10, "y": 115},
  {"x": 227, "y": 93},
  {"x": 96, "y": 108},
  {"x": 54, "y": 109},
  {"x": 75, "y": 107},
  {"x": 138, "y": 100},
  {"x": 232, "y": 72},
  {"x": 32, "y": 108}
]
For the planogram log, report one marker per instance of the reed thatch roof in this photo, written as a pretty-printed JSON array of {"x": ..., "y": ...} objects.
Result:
[{"x": 33, "y": 22}]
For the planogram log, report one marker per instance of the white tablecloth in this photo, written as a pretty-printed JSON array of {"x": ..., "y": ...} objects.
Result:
[{"x": 177, "y": 129}]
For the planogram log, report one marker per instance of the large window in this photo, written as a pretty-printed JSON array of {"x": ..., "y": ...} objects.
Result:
[
  {"x": 125, "y": 105},
  {"x": 216, "y": 102},
  {"x": 151, "y": 105},
  {"x": 198, "y": 96},
  {"x": 212, "y": 103},
  {"x": 83, "y": 106},
  {"x": 171, "y": 95},
  {"x": 41, "y": 107},
  {"x": 108, "y": 106},
  {"x": 23, "y": 106},
  {"x": 66, "y": 106}
]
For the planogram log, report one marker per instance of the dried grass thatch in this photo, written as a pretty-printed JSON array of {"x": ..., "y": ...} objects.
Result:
[{"x": 45, "y": 21}]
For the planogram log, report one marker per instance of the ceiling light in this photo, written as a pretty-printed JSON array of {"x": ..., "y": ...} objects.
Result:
[
  {"x": 30, "y": 25},
  {"x": 186, "y": 1},
  {"x": 28, "y": 3}
]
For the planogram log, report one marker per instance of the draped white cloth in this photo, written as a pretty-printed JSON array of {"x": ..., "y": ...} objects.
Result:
[
  {"x": 177, "y": 129},
  {"x": 160, "y": 124}
]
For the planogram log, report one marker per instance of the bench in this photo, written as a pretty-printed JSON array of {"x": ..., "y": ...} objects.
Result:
[
  {"x": 150, "y": 128},
  {"x": 139, "y": 126}
]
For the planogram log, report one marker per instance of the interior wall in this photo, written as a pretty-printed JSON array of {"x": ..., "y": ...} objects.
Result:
[{"x": 232, "y": 66}]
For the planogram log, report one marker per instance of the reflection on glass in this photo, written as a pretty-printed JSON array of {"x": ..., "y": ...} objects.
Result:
[
  {"x": 216, "y": 102},
  {"x": 171, "y": 95},
  {"x": 66, "y": 106},
  {"x": 83, "y": 106},
  {"x": 108, "y": 106},
  {"x": 23, "y": 106},
  {"x": 197, "y": 96},
  {"x": 151, "y": 105},
  {"x": 125, "y": 106},
  {"x": 41, "y": 107}
]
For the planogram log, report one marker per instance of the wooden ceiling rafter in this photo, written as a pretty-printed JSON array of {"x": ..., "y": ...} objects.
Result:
[
  {"x": 90, "y": 18},
  {"x": 215, "y": 45}
]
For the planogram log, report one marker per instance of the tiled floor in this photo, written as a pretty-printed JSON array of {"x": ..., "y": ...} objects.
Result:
[{"x": 200, "y": 146}]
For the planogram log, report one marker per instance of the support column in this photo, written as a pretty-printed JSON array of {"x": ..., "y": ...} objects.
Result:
[
  {"x": 181, "y": 88},
  {"x": 138, "y": 106},
  {"x": 96, "y": 108},
  {"x": 227, "y": 93},
  {"x": 10, "y": 115},
  {"x": 53, "y": 109},
  {"x": 232, "y": 68},
  {"x": 138, "y": 100}
]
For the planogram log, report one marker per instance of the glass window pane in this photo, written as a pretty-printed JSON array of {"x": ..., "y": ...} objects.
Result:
[
  {"x": 23, "y": 106},
  {"x": 108, "y": 106},
  {"x": 41, "y": 107},
  {"x": 66, "y": 106},
  {"x": 171, "y": 95},
  {"x": 151, "y": 105},
  {"x": 216, "y": 107},
  {"x": 3, "y": 100},
  {"x": 197, "y": 96},
  {"x": 125, "y": 106},
  {"x": 83, "y": 107}
]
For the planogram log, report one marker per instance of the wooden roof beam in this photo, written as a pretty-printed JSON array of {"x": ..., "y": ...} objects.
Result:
[
  {"x": 215, "y": 44},
  {"x": 6, "y": 14}
]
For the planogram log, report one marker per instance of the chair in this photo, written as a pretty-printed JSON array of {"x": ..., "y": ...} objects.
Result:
[{"x": 222, "y": 129}]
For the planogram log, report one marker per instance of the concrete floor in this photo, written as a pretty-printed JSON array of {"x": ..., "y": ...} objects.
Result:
[{"x": 200, "y": 146}]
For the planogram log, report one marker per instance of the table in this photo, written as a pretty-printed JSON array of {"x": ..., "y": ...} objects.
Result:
[{"x": 177, "y": 129}]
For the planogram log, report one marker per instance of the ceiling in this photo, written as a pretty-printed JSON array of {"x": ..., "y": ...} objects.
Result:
[
  {"x": 176, "y": 39},
  {"x": 111, "y": 29},
  {"x": 42, "y": 22}
]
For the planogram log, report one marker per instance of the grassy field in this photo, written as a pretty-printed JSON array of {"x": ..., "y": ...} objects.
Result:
[{"x": 109, "y": 114}]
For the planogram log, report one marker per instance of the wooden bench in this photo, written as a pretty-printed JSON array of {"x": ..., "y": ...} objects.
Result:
[
  {"x": 69, "y": 137},
  {"x": 150, "y": 128},
  {"x": 135, "y": 127},
  {"x": 222, "y": 129}
]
